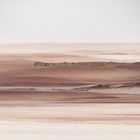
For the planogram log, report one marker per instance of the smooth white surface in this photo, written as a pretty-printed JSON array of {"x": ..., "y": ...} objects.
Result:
[
  {"x": 69, "y": 21},
  {"x": 28, "y": 131}
]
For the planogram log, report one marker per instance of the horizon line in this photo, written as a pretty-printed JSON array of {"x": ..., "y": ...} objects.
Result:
[{"x": 27, "y": 43}]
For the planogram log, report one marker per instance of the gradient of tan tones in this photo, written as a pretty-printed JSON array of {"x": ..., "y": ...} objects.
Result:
[
  {"x": 64, "y": 95},
  {"x": 68, "y": 47}
]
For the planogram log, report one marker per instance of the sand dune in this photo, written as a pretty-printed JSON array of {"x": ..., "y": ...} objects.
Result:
[
  {"x": 22, "y": 72},
  {"x": 70, "y": 89}
]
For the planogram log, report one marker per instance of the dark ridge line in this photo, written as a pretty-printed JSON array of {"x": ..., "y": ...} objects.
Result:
[
  {"x": 42, "y": 64},
  {"x": 109, "y": 86}
]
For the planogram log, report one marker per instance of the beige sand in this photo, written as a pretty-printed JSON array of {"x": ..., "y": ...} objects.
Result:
[
  {"x": 72, "y": 101},
  {"x": 64, "y": 131},
  {"x": 19, "y": 71}
]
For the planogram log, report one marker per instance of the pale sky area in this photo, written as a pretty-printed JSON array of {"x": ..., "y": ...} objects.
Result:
[{"x": 24, "y": 21}]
